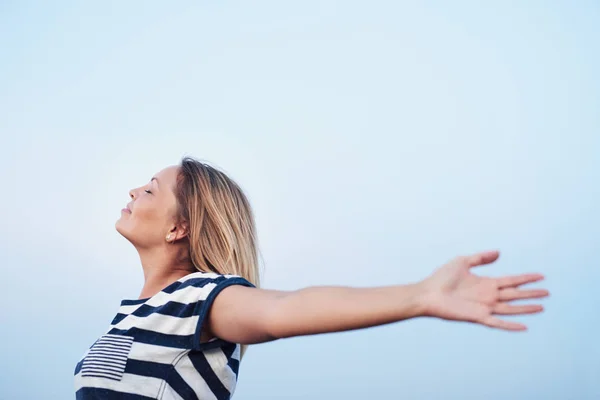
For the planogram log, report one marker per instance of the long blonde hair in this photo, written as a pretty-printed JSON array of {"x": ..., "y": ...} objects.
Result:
[{"x": 222, "y": 231}]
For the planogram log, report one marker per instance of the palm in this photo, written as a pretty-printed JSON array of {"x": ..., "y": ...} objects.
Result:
[{"x": 457, "y": 294}]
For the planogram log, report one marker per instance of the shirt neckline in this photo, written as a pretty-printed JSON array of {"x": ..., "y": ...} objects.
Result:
[{"x": 133, "y": 302}]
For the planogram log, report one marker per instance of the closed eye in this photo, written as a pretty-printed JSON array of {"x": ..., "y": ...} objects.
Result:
[{"x": 147, "y": 191}]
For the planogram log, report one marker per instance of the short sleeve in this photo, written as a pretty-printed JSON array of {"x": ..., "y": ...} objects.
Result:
[{"x": 212, "y": 285}]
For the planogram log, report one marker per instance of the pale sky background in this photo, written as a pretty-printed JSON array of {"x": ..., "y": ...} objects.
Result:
[{"x": 375, "y": 140}]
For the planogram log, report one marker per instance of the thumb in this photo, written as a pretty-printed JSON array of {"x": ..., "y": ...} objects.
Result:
[{"x": 486, "y": 257}]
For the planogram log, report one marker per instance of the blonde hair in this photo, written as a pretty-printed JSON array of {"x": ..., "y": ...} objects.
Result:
[{"x": 222, "y": 232}]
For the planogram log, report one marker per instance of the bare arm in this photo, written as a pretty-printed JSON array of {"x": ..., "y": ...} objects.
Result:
[{"x": 247, "y": 315}]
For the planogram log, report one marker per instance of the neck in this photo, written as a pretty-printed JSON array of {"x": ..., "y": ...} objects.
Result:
[{"x": 161, "y": 268}]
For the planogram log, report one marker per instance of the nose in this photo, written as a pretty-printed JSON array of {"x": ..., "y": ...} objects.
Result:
[{"x": 132, "y": 194}]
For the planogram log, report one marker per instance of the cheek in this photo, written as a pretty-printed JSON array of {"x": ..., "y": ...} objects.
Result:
[{"x": 146, "y": 218}]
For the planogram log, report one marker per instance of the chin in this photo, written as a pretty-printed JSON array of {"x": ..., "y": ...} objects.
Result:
[
  {"x": 125, "y": 231},
  {"x": 119, "y": 228}
]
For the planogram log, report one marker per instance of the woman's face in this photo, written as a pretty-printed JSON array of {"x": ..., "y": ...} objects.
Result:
[{"x": 152, "y": 212}]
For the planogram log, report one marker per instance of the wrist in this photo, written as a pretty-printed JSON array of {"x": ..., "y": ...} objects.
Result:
[
  {"x": 422, "y": 298},
  {"x": 418, "y": 299}
]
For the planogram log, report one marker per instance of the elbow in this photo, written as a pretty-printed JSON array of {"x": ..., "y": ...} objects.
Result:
[
  {"x": 274, "y": 332},
  {"x": 279, "y": 321},
  {"x": 267, "y": 330}
]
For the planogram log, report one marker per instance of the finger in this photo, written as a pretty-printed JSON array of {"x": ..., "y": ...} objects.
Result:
[
  {"x": 518, "y": 280},
  {"x": 507, "y": 309},
  {"x": 498, "y": 323},
  {"x": 483, "y": 258},
  {"x": 516, "y": 294}
]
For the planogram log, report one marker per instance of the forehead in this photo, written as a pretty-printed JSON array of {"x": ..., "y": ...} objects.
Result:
[{"x": 168, "y": 176}]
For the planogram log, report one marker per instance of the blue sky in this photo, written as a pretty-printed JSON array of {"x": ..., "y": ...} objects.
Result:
[{"x": 375, "y": 141}]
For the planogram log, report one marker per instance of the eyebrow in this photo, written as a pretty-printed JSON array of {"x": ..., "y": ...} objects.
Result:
[{"x": 154, "y": 179}]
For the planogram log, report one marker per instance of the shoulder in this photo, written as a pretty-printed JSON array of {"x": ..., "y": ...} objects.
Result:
[
  {"x": 198, "y": 292},
  {"x": 211, "y": 280},
  {"x": 203, "y": 287}
]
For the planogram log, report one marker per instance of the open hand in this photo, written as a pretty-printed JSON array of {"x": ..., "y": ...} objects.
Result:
[{"x": 454, "y": 293}]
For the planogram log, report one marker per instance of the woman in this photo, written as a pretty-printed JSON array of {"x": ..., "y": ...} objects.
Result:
[{"x": 200, "y": 304}]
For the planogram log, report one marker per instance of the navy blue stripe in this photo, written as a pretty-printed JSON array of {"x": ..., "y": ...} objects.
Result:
[
  {"x": 112, "y": 378},
  {"x": 120, "y": 365},
  {"x": 177, "y": 285},
  {"x": 109, "y": 356},
  {"x": 157, "y": 338},
  {"x": 212, "y": 380},
  {"x": 104, "y": 363},
  {"x": 161, "y": 371},
  {"x": 78, "y": 367},
  {"x": 128, "y": 302},
  {"x": 148, "y": 368},
  {"x": 213, "y": 344},
  {"x": 171, "y": 288},
  {"x": 228, "y": 349},
  {"x": 101, "y": 367},
  {"x": 104, "y": 374},
  {"x": 115, "y": 339},
  {"x": 195, "y": 282},
  {"x": 114, "y": 344},
  {"x": 118, "y": 318},
  {"x": 234, "y": 365},
  {"x": 172, "y": 308},
  {"x": 99, "y": 348},
  {"x": 179, "y": 385},
  {"x": 204, "y": 306},
  {"x": 88, "y": 393}
]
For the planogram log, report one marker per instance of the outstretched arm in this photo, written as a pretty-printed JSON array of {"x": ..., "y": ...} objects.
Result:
[{"x": 247, "y": 315}]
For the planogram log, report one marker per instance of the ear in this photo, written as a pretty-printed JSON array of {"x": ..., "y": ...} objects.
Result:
[{"x": 179, "y": 231}]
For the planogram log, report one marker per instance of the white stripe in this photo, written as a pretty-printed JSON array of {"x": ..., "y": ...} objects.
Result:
[
  {"x": 129, "y": 309},
  {"x": 188, "y": 373},
  {"x": 165, "y": 323},
  {"x": 112, "y": 338},
  {"x": 129, "y": 383},
  {"x": 104, "y": 361},
  {"x": 170, "y": 394},
  {"x": 154, "y": 353},
  {"x": 237, "y": 352},
  {"x": 187, "y": 295},
  {"x": 102, "y": 374},
  {"x": 206, "y": 275},
  {"x": 105, "y": 350},
  {"x": 90, "y": 367},
  {"x": 161, "y": 323},
  {"x": 190, "y": 294},
  {"x": 112, "y": 346},
  {"x": 218, "y": 363}
]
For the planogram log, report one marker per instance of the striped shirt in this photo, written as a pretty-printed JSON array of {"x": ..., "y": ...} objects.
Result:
[{"x": 152, "y": 349}]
